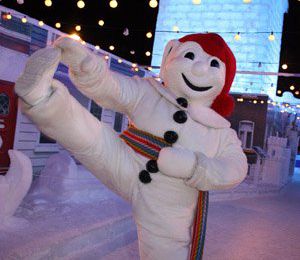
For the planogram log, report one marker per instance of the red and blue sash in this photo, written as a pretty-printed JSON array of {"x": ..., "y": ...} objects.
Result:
[{"x": 149, "y": 146}]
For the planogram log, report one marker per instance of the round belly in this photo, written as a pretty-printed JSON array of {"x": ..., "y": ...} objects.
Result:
[{"x": 166, "y": 207}]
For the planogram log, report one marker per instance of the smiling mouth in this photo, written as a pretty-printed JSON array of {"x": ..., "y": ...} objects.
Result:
[{"x": 193, "y": 87}]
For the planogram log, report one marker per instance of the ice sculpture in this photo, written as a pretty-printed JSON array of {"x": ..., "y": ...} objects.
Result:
[{"x": 13, "y": 187}]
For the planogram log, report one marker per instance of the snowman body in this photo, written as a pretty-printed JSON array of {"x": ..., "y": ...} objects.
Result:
[{"x": 206, "y": 154}]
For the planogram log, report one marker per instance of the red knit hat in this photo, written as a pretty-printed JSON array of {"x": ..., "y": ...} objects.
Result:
[{"x": 214, "y": 45}]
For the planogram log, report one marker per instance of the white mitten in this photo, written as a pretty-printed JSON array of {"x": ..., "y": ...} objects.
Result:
[
  {"x": 85, "y": 68},
  {"x": 34, "y": 85},
  {"x": 177, "y": 162}
]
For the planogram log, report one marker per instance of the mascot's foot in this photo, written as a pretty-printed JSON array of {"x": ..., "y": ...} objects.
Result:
[
  {"x": 74, "y": 54},
  {"x": 34, "y": 84}
]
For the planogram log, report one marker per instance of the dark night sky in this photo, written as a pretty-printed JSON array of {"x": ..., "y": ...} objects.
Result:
[
  {"x": 139, "y": 18},
  {"x": 136, "y": 15},
  {"x": 290, "y": 51}
]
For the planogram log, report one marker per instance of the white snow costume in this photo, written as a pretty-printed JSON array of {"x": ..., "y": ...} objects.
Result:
[{"x": 206, "y": 155}]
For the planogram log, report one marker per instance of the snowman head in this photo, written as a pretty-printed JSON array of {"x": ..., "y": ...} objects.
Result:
[{"x": 200, "y": 68}]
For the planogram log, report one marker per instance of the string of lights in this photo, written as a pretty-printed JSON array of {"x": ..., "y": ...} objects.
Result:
[{"x": 9, "y": 14}]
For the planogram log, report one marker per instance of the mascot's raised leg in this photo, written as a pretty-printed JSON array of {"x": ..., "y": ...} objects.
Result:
[{"x": 60, "y": 116}]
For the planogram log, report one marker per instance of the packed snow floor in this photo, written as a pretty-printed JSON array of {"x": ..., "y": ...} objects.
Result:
[{"x": 264, "y": 228}]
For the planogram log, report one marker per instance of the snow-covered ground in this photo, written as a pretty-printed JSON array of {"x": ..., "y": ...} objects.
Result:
[
  {"x": 264, "y": 228},
  {"x": 93, "y": 223}
]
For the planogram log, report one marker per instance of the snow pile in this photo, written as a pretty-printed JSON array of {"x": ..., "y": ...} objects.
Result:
[
  {"x": 62, "y": 180},
  {"x": 13, "y": 188}
]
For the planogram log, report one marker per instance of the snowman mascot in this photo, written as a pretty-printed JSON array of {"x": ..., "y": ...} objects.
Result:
[{"x": 178, "y": 147}]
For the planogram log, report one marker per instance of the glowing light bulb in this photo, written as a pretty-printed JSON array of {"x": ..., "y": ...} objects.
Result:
[
  {"x": 97, "y": 47},
  {"x": 101, "y": 22},
  {"x": 269, "y": 101},
  {"x": 149, "y": 35},
  {"x": 58, "y": 25},
  {"x": 136, "y": 69},
  {"x": 106, "y": 57},
  {"x": 153, "y": 3},
  {"x": 149, "y": 68},
  {"x": 83, "y": 42},
  {"x": 41, "y": 23},
  {"x": 262, "y": 102},
  {"x": 111, "y": 47},
  {"x": 292, "y": 87},
  {"x": 8, "y": 16},
  {"x": 134, "y": 65},
  {"x": 196, "y": 2},
  {"x": 254, "y": 101},
  {"x": 175, "y": 28},
  {"x": 271, "y": 36},
  {"x": 78, "y": 28},
  {"x": 279, "y": 91},
  {"x": 284, "y": 66},
  {"x": 297, "y": 92},
  {"x": 148, "y": 53},
  {"x": 75, "y": 36},
  {"x": 113, "y": 3},
  {"x": 48, "y": 3},
  {"x": 80, "y": 4},
  {"x": 120, "y": 61},
  {"x": 24, "y": 19},
  {"x": 237, "y": 37}
]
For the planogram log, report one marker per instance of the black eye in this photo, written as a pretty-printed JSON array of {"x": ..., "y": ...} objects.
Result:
[
  {"x": 215, "y": 63},
  {"x": 189, "y": 55}
]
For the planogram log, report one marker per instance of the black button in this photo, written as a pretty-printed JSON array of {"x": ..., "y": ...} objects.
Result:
[
  {"x": 182, "y": 102},
  {"x": 171, "y": 137},
  {"x": 151, "y": 166},
  {"x": 145, "y": 177},
  {"x": 180, "y": 117}
]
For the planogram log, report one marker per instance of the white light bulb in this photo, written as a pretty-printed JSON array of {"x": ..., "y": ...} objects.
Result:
[
  {"x": 75, "y": 36},
  {"x": 284, "y": 66},
  {"x": 120, "y": 61},
  {"x": 196, "y": 2},
  {"x": 292, "y": 87},
  {"x": 175, "y": 28},
  {"x": 41, "y": 23},
  {"x": 237, "y": 37},
  {"x": 97, "y": 47},
  {"x": 101, "y": 22},
  {"x": 148, "y": 53},
  {"x": 271, "y": 36},
  {"x": 58, "y": 25},
  {"x": 80, "y": 4},
  {"x": 48, "y": 3},
  {"x": 113, "y": 3},
  {"x": 153, "y": 3},
  {"x": 149, "y": 35},
  {"x": 78, "y": 28},
  {"x": 24, "y": 20},
  {"x": 111, "y": 47}
]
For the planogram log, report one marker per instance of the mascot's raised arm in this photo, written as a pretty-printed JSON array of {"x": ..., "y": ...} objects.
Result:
[{"x": 178, "y": 147}]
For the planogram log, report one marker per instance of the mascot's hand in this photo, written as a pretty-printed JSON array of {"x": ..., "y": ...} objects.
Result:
[
  {"x": 176, "y": 162},
  {"x": 34, "y": 85},
  {"x": 83, "y": 65}
]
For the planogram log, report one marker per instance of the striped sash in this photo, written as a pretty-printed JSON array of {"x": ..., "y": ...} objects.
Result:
[{"x": 149, "y": 146}]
